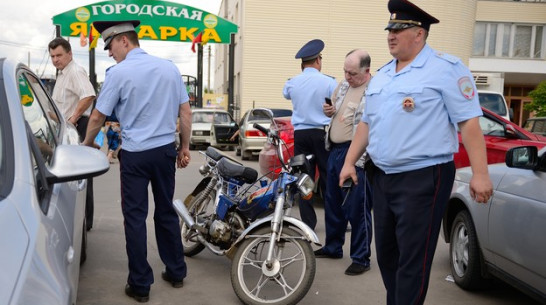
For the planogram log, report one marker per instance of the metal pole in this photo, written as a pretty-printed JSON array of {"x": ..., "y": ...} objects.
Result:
[
  {"x": 199, "y": 100},
  {"x": 231, "y": 74},
  {"x": 208, "y": 76}
]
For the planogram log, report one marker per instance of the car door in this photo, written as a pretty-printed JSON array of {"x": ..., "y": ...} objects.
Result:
[
  {"x": 224, "y": 126},
  {"x": 61, "y": 205},
  {"x": 517, "y": 228}
]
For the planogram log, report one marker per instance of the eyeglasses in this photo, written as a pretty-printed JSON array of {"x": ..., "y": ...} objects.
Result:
[{"x": 320, "y": 56}]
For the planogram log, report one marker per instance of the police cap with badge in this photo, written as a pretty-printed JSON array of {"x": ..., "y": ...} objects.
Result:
[
  {"x": 109, "y": 29},
  {"x": 405, "y": 14},
  {"x": 310, "y": 50}
]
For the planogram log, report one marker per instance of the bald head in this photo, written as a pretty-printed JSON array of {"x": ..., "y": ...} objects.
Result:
[{"x": 357, "y": 67}]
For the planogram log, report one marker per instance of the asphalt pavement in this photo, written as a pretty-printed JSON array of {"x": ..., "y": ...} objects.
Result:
[{"x": 104, "y": 274}]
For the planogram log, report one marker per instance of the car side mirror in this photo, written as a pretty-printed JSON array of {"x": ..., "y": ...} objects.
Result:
[
  {"x": 510, "y": 132},
  {"x": 525, "y": 157}
]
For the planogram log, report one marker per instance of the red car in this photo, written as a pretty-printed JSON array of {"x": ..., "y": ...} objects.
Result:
[{"x": 500, "y": 135}]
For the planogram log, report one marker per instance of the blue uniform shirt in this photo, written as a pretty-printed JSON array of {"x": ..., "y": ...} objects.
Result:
[
  {"x": 307, "y": 92},
  {"x": 146, "y": 92},
  {"x": 412, "y": 114}
]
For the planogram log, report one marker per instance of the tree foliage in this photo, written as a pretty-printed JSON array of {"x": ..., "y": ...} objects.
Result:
[{"x": 538, "y": 105}]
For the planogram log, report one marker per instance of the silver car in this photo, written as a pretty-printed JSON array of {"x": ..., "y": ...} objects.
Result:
[
  {"x": 505, "y": 238},
  {"x": 251, "y": 140},
  {"x": 43, "y": 175}
]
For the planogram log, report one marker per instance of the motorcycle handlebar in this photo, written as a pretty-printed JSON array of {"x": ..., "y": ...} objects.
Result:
[{"x": 261, "y": 128}]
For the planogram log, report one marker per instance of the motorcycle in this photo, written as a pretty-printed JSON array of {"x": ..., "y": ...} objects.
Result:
[{"x": 232, "y": 213}]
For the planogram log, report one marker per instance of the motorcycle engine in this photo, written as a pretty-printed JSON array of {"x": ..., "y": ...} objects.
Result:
[{"x": 220, "y": 232}]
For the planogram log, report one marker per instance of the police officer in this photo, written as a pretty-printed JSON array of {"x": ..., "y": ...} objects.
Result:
[
  {"x": 354, "y": 204},
  {"x": 413, "y": 105},
  {"x": 308, "y": 91},
  {"x": 147, "y": 95}
]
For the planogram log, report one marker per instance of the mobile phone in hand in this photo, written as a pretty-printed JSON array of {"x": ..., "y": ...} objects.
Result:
[{"x": 328, "y": 101}]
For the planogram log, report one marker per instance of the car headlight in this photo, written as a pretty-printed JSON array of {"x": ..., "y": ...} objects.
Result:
[{"x": 306, "y": 186}]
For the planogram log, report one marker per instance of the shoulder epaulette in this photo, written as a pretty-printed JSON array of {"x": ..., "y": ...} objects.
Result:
[
  {"x": 385, "y": 65},
  {"x": 450, "y": 58}
]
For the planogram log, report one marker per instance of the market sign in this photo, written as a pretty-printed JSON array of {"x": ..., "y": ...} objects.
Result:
[{"x": 159, "y": 20}]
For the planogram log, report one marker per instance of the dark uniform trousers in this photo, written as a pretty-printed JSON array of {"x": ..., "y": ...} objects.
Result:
[
  {"x": 138, "y": 170},
  {"x": 89, "y": 201},
  {"x": 356, "y": 209},
  {"x": 408, "y": 210},
  {"x": 311, "y": 141}
]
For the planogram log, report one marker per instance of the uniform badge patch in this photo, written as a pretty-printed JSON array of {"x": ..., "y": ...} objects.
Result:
[
  {"x": 408, "y": 104},
  {"x": 467, "y": 90}
]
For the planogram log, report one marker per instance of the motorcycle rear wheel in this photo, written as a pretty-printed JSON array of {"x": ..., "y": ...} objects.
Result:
[
  {"x": 199, "y": 210},
  {"x": 286, "y": 282}
]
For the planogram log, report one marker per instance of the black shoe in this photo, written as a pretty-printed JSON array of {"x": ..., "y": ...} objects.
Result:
[
  {"x": 138, "y": 296},
  {"x": 321, "y": 254},
  {"x": 356, "y": 269},
  {"x": 174, "y": 283}
]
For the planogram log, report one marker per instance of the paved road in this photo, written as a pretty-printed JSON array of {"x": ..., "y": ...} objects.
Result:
[{"x": 103, "y": 276}]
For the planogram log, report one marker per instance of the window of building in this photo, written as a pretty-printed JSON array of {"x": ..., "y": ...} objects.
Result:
[{"x": 509, "y": 40}]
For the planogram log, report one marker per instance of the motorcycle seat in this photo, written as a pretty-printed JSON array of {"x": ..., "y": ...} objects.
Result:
[
  {"x": 227, "y": 168},
  {"x": 216, "y": 155}
]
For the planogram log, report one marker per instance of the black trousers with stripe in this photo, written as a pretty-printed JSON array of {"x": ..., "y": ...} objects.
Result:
[{"x": 408, "y": 210}]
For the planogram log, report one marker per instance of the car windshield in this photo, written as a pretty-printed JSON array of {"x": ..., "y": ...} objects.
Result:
[
  {"x": 211, "y": 117},
  {"x": 264, "y": 115},
  {"x": 493, "y": 102}
]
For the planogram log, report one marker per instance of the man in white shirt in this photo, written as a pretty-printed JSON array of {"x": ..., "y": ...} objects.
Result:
[{"x": 74, "y": 94}]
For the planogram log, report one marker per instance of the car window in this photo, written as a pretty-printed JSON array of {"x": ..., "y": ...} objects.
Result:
[
  {"x": 222, "y": 118},
  {"x": 491, "y": 128},
  {"x": 540, "y": 126},
  {"x": 529, "y": 125},
  {"x": 40, "y": 115},
  {"x": 493, "y": 102},
  {"x": 277, "y": 113},
  {"x": 259, "y": 115},
  {"x": 202, "y": 117},
  {"x": 43, "y": 120}
]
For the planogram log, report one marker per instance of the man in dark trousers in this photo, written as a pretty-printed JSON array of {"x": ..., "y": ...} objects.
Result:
[
  {"x": 307, "y": 92},
  {"x": 147, "y": 95},
  {"x": 414, "y": 105}
]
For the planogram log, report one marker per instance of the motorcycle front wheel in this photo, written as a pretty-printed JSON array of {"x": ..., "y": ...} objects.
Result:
[
  {"x": 200, "y": 211},
  {"x": 286, "y": 281}
]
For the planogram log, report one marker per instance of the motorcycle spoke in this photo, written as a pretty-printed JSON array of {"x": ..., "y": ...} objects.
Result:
[
  {"x": 298, "y": 257},
  {"x": 251, "y": 262},
  {"x": 283, "y": 284},
  {"x": 259, "y": 285}
]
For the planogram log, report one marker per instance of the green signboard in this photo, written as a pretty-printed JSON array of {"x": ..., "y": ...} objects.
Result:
[{"x": 159, "y": 20}]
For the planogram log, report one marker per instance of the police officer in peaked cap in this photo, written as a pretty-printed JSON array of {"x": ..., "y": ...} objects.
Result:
[
  {"x": 408, "y": 129},
  {"x": 308, "y": 91}
]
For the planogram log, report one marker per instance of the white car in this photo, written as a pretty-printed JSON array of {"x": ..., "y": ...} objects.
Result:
[
  {"x": 212, "y": 127},
  {"x": 43, "y": 172}
]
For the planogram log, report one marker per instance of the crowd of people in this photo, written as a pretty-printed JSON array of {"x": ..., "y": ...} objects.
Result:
[{"x": 375, "y": 143}]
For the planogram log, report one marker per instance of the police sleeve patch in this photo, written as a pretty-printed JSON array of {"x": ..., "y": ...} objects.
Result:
[{"x": 466, "y": 87}]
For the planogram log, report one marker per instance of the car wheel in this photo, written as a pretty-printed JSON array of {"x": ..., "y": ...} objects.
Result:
[
  {"x": 246, "y": 155},
  {"x": 192, "y": 147},
  {"x": 464, "y": 253}
]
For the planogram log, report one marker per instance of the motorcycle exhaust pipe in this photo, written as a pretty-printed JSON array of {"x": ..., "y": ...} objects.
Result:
[{"x": 183, "y": 212}]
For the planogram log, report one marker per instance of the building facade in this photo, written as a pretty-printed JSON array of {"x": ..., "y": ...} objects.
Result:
[{"x": 499, "y": 40}]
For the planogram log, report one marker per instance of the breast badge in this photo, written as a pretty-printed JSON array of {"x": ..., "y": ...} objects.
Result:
[{"x": 408, "y": 104}]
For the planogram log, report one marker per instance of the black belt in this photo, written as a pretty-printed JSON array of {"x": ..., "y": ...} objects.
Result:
[{"x": 341, "y": 145}]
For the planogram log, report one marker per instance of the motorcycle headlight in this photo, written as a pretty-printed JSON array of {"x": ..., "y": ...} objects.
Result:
[{"x": 306, "y": 186}]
